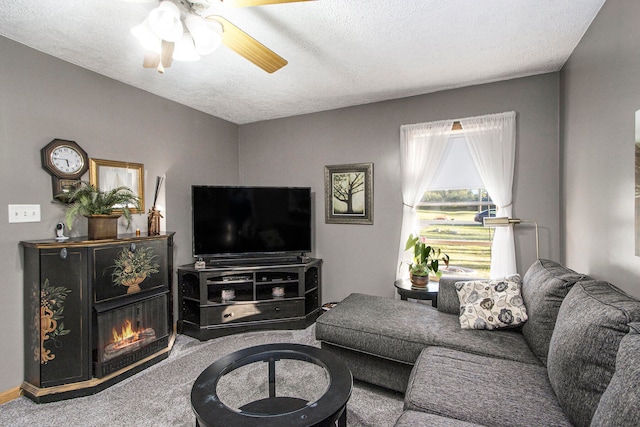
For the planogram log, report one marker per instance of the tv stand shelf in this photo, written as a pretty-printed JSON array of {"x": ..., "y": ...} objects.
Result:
[{"x": 224, "y": 299}]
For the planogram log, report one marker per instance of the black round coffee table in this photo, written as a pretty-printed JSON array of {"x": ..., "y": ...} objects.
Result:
[{"x": 219, "y": 394}]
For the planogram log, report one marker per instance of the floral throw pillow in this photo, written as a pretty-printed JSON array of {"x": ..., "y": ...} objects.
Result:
[{"x": 491, "y": 304}]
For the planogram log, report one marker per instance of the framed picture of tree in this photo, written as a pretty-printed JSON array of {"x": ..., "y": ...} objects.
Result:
[{"x": 349, "y": 193}]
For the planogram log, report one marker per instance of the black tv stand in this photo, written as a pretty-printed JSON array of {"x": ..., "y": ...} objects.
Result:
[
  {"x": 250, "y": 294},
  {"x": 264, "y": 260}
]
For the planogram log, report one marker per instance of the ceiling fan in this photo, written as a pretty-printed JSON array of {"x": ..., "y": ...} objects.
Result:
[{"x": 163, "y": 34}]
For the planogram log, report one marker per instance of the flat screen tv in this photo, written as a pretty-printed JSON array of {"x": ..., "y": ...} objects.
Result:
[{"x": 250, "y": 221}]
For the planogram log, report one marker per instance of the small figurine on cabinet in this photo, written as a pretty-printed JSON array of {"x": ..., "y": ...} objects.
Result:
[{"x": 154, "y": 221}]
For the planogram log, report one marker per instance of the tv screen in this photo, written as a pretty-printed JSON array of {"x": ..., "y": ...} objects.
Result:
[{"x": 245, "y": 221}]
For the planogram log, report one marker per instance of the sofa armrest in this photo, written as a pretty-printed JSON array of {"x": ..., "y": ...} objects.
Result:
[{"x": 448, "y": 301}]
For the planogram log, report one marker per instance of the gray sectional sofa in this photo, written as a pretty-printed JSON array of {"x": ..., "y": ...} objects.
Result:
[{"x": 576, "y": 360}]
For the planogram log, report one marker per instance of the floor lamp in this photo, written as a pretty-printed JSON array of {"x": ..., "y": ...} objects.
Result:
[{"x": 504, "y": 221}]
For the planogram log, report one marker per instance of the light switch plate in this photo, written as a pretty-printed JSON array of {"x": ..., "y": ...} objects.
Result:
[{"x": 24, "y": 213}]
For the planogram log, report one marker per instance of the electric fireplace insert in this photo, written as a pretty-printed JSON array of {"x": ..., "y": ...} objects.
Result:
[{"x": 129, "y": 331}]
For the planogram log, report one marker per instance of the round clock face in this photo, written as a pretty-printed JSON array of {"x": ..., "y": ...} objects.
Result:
[{"x": 67, "y": 159}]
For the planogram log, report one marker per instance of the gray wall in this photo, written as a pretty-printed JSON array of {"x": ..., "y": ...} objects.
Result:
[
  {"x": 600, "y": 94},
  {"x": 362, "y": 258},
  {"x": 42, "y": 98}
]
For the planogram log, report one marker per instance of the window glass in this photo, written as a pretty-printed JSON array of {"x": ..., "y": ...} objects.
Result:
[{"x": 451, "y": 211}]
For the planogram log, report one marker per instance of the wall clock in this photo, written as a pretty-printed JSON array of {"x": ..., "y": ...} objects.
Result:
[{"x": 66, "y": 161}]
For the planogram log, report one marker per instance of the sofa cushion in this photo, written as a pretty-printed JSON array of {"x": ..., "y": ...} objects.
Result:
[
  {"x": 422, "y": 419},
  {"x": 482, "y": 390},
  {"x": 591, "y": 322},
  {"x": 399, "y": 330},
  {"x": 448, "y": 301},
  {"x": 619, "y": 403},
  {"x": 544, "y": 286},
  {"x": 491, "y": 304}
]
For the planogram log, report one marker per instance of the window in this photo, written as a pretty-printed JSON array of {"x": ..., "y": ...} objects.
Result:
[
  {"x": 491, "y": 141},
  {"x": 451, "y": 210}
]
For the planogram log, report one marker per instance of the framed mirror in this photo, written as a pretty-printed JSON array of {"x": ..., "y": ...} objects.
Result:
[{"x": 110, "y": 174}]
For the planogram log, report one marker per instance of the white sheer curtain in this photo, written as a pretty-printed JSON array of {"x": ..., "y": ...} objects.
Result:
[
  {"x": 421, "y": 149},
  {"x": 492, "y": 143}
]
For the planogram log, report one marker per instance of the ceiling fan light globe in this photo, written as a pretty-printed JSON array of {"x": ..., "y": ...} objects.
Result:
[
  {"x": 185, "y": 50},
  {"x": 165, "y": 22},
  {"x": 206, "y": 37},
  {"x": 146, "y": 37},
  {"x": 209, "y": 45}
]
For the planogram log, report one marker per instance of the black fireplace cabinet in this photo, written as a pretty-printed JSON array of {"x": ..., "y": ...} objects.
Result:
[{"x": 95, "y": 312}]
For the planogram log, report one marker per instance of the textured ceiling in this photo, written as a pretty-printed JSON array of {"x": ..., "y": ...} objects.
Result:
[{"x": 340, "y": 52}]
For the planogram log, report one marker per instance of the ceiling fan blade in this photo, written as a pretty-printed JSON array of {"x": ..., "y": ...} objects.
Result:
[
  {"x": 161, "y": 60},
  {"x": 151, "y": 60},
  {"x": 166, "y": 53},
  {"x": 248, "y": 47},
  {"x": 249, "y": 3}
]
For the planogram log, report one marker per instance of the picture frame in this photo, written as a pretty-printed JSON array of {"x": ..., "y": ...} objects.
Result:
[
  {"x": 109, "y": 174},
  {"x": 349, "y": 193}
]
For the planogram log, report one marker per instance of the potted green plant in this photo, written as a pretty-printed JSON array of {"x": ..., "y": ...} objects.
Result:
[
  {"x": 426, "y": 261},
  {"x": 98, "y": 206}
]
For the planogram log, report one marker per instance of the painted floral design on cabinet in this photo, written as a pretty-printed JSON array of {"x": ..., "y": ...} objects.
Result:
[
  {"x": 48, "y": 321},
  {"x": 133, "y": 266}
]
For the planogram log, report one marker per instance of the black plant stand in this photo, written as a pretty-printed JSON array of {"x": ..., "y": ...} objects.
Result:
[{"x": 430, "y": 292}]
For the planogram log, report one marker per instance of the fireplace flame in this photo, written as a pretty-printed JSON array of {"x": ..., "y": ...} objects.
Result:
[
  {"x": 126, "y": 336},
  {"x": 127, "y": 340}
]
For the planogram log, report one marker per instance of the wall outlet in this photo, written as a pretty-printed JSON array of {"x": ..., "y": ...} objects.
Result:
[{"x": 24, "y": 213}]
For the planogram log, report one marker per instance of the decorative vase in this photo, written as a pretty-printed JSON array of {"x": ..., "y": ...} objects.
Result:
[
  {"x": 419, "y": 281},
  {"x": 103, "y": 226}
]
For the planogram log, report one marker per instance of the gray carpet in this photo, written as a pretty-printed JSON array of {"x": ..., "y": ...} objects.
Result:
[{"x": 159, "y": 395}]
